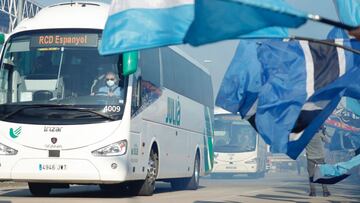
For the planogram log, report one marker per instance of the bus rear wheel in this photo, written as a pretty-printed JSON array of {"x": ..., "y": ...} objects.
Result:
[
  {"x": 114, "y": 189},
  {"x": 189, "y": 183},
  {"x": 147, "y": 187},
  {"x": 39, "y": 189}
]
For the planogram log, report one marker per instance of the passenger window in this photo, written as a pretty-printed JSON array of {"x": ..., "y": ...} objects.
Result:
[{"x": 150, "y": 66}]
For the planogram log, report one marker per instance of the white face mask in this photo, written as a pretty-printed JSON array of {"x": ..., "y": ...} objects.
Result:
[{"x": 110, "y": 83}]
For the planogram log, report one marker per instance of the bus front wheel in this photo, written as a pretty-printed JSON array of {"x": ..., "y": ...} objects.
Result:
[
  {"x": 191, "y": 183},
  {"x": 146, "y": 187},
  {"x": 39, "y": 189},
  {"x": 114, "y": 189}
]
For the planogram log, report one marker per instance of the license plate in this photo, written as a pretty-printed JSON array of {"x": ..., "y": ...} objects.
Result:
[
  {"x": 52, "y": 167},
  {"x": 230, "y": 167}
]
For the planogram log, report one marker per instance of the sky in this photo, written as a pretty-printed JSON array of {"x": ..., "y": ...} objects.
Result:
[{"x": 217, "y": 56}]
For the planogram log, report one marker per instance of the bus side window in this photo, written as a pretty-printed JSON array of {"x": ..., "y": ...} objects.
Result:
[
  {"x": 3, "y": 85},
  {"x": 136, "y": 95}
]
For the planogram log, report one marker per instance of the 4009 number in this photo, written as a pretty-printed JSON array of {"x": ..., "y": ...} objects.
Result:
[{"x": 112, "y": 109}]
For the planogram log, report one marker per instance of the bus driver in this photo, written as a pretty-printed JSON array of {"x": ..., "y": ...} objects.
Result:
[{"x": 111, "y": 88}]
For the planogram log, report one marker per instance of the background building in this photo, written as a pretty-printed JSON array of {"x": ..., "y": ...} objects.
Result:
[{"x": 9, "y": 12}]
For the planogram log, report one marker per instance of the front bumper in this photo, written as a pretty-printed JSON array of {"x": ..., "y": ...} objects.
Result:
[
  {"x": 61, "y": 170},
  {"x": 235, "y": 168}
]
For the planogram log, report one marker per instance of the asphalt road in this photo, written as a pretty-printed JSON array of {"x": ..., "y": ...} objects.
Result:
[{"x": 275, "y": 187}]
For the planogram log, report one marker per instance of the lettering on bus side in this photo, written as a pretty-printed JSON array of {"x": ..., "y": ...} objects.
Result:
[{"x": 173, "y": 115}]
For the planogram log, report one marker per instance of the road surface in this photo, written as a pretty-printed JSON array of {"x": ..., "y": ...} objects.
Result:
[{"x": 275, "y": 187}]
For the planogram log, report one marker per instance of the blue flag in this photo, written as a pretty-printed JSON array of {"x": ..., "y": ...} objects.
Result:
[
  {"x": 300, "y": 94},
  {"x": 228, "y": 19},
  {"x": 242, "y": 81},
  {"x": 290, "y": 103},
  {"x": 141, "y": 24},
  {"x": 342, "y": 87}
]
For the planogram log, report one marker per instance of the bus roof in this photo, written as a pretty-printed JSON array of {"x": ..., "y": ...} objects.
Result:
[
  {"x": 78, "y": 15},
  {"x": 189, "y": 58},
  {"x": 83, "y": 15}
]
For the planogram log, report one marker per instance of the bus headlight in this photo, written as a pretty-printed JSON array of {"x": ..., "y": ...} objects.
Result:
[
  {"x": 251, "y": 161},
  {"x": 5, "y": 150},
  {"x": 115, "y": 149}
]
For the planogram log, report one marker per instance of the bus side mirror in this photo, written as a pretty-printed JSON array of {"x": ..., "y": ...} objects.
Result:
[{"x": 130, "y": 60}]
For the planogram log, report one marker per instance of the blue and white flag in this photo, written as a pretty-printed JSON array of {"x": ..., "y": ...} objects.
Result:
[
  {"x": 290, "y": 106},
  {"x": 141, "y": 24},
  {"x": 230, "y": 19},
  {"x": 295, "y": 101}
]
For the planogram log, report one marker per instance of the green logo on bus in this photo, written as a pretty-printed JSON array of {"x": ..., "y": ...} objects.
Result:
[
  {"x": 15, "y": 133},
  {"x": 173, "y": 115}
]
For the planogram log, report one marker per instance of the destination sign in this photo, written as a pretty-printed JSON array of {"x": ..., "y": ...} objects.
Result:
[{"x": 64, "y": 40}]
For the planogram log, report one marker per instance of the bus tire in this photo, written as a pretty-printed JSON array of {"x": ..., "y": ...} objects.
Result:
[
  {"x": 39, "y": 189},
  {"x": 189, "y": 183},
  {"x": 147, "y": 187},
  {"x": 114, "y": 189},
  {"x": 195, "y": 178}
]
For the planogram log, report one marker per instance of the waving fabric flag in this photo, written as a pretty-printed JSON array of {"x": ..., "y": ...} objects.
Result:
[
  {"x": 228, "y": 19},
  {"x": 291, "y": 100},
  {"x": 242, "y": 81},
  {"x": 352, "y": 105},
  {"x": 140, "y": 24},
  {"x": 342, "y": 87}
]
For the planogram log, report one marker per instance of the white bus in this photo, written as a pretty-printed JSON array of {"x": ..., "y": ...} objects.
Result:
[
  {"x": 62, "y": 120},
  {"x": 238, "y": 149}
]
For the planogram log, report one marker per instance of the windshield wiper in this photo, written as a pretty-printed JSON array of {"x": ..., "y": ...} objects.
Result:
[
  {"x": 29, "y": 107},
  {"x": 57, "y": 107}
]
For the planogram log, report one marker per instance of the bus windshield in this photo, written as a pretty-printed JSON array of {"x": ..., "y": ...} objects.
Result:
[
  {"x": 233, "y": 136},
  {"x": 60, "y": 77}
]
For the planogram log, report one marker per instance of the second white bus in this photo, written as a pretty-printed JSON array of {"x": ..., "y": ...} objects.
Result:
[{"x": 238, "y": 148}]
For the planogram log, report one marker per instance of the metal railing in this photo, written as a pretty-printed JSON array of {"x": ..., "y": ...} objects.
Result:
[{"x": 16, "y": 9}]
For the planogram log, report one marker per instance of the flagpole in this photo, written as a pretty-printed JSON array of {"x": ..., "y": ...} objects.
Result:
[
  {"x": 338, "y": 24},
  {"x": 326, "y": 43}
]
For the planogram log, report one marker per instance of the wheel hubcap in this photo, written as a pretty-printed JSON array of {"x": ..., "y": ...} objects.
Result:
[
  {"x": 196, "y": 170},
  {"x": 152, "y": 173}
]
